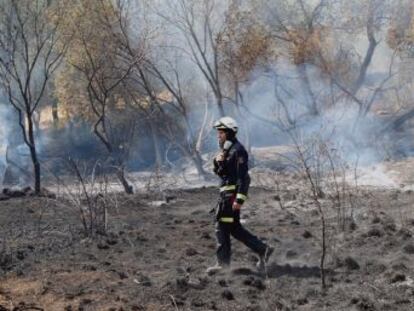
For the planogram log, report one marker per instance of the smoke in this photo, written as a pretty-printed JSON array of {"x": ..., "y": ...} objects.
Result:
[
  {"x": 4, "y": 134},
  {"x": 278, "y": 95},
  {"x": 276, "y": 101}
]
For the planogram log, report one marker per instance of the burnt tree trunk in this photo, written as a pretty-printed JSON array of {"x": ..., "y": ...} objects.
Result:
[
  {"x": 220, "y": 105},
  {"x": 119, "y": 166},
  {"x": 156, "y": 143},
  {"x": 33, "y": 153},
  {"x": 121, "y": 176}
]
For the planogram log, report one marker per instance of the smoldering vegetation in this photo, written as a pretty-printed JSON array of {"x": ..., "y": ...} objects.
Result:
[{"x": 106, "y": 143}]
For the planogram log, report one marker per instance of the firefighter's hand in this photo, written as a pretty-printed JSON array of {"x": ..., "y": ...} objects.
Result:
[
  {"x": 220, "y": 157},
  {"x": 236, "y": 206}
]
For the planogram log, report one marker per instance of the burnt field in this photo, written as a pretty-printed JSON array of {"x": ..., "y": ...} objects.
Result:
[
  {"x": 158, "y": 245},
  {"x": 112, "y": 113}
]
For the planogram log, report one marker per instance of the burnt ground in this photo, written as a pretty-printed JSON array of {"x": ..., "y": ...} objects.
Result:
[{"x": 155, "y": 255}]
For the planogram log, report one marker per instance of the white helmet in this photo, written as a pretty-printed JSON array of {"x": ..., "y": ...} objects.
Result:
[{"x": 226, "y": 123}]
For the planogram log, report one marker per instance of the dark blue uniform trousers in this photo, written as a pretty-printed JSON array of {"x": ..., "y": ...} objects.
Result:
[{"x": 235, "y": 229}]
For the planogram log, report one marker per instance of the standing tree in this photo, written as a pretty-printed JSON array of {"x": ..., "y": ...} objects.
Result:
[
  {"x": 160, "y": 88},
  {"x": 30, "y": 51},
  {"x": 321, "y": 67},
  {"x": 172, "y": 80},
  {"x": 200, "y": 23},
  {"x": 97, "y": 57},
  {"x": 243, "y": 46},
  {"x": 400, "y": 39}
]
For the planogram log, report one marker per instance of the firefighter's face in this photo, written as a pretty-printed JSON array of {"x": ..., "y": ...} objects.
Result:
[{"x": 221, "y": 136}]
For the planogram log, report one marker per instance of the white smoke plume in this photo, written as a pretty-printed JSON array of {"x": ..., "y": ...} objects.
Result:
[{"x": 4, "y": 134}]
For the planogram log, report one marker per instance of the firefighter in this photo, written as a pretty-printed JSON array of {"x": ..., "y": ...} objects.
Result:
[{"x": 231, "y": 165}]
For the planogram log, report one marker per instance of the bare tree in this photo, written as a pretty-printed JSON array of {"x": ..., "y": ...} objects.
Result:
[
  {"x": 199, "y": 23},
  {"x": 167, "y": 108},
  {"x": 98, "y": 57},
  {"x": 30, "y": 51},
  {"x": 316, "y": 39},
  {"x": 244, "y": 45},
  {"x": 400, "y": 40},
  {"x": 163, "y": 89},
  {"x": 315, "y": 159},
  {"x": 191, "y": 145},
  {"x": 133, "y": 46}
]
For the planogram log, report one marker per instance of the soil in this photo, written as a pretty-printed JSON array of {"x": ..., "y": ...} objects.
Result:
[{"x": 155, "y": 253}]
